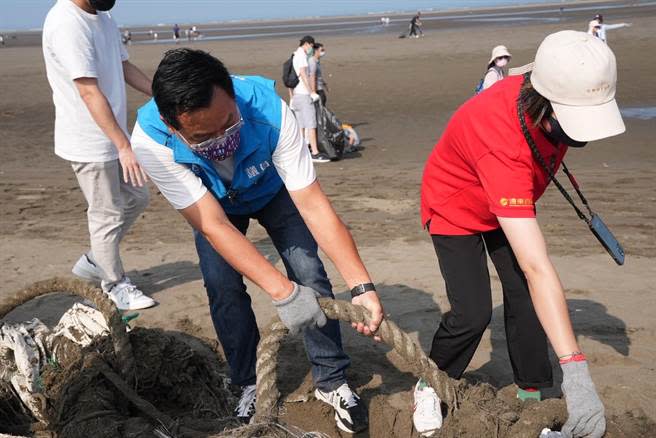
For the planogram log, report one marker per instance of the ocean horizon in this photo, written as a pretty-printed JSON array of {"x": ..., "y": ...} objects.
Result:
[{"x": 28, "y": 15}]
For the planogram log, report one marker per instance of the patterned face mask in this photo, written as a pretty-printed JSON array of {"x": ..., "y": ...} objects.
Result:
[{"x": 221, "y": 147}]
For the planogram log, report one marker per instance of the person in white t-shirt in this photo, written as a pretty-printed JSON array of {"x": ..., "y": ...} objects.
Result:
[
  {"x": 225, "y": 150},
  {"x": 598, "y": 28},
  {"x": 304, "y": 97},
  {"x": 87, "y": 68}
]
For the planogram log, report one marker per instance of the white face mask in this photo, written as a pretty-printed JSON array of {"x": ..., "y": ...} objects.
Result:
[
  {"x": 501, "y": 62},
  {"x": 322, "y": 54}
]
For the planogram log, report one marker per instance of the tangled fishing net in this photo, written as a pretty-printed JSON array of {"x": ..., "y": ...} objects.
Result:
[{"x": 150, "y": 382}]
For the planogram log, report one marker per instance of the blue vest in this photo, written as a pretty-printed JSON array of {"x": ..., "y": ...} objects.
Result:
[{"x": 255, "y": 181}]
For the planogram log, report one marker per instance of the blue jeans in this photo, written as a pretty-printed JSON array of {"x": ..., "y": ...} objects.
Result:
[{"x": 230, "y": 305}]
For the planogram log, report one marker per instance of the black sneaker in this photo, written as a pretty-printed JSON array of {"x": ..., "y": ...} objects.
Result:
[
  {"x": 320, "y": 158},
  {"x": 350, "y": 413},
  {"x": 246, "y": 407}
]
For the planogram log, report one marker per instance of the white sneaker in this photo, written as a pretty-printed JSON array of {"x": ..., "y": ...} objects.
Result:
[
  {"x": 86, "y": 268},
  {"x": 350, "y": 413},
  {"x": 427, "y": 416},
  {"x": 246, "y": 407},
  {"x": 126, "y": 296}
]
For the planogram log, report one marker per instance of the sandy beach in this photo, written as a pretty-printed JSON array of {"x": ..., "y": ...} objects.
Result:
[{"x": 398, "y": 94}]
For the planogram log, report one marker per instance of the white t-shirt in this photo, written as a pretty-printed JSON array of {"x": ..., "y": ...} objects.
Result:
[
  {"x": 299, "y": 61},
  {"x": 182, "y": 188},
  {"x": 77, "y": 44}
]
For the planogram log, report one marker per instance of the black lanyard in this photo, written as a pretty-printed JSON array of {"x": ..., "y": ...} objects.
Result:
[{"x": 540, "y": 159}]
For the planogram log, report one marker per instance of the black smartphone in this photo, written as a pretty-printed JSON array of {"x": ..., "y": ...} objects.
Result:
[{"x": 606, "y": 238}]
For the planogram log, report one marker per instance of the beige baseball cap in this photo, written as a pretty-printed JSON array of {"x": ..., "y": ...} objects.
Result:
[{"x": 577, "y": 72}]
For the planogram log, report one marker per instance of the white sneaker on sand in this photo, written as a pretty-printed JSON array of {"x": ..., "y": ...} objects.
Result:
[
  {"x": 87, "y": 269},
  {"x": 126, "y": 296},
  {"x": 350, "y": 412},
  {"x": 246, "y": 407},
  {"x": 427, "y": 416}
]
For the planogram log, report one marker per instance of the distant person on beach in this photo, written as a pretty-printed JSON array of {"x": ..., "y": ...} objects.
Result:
[
  {"x": 304, "y": 97},
  {"x": 496, "y": 67},
  {"x": 316, "y": 76},
  {"x": 87, "y": 68},
  {"x": 126, "y": 37},
  {"x": 176, "y": 33},
  {"x": 2, "y": 40},
  {"x": 598, "y": 28},
  {"x": 594, "y": 28},
  {"x": 415, "y": 26},
  {"x": 480, "y": 185},
  {"x": 224, "y": 150}
]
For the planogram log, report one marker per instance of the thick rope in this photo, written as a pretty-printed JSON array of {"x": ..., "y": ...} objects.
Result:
[
  {"x": 389, "y": 332},
  {"x": 120, "y": 339},
  {"x": 527, "y": 423}
]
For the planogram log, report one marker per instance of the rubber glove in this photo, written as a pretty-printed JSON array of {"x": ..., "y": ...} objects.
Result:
[
  {"x": 300, "y": 310},
  {"x": 584, "y": 408}
]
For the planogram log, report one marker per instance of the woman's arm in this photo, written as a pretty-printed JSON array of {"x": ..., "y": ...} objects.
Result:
[{"x": 547, "y": 293}]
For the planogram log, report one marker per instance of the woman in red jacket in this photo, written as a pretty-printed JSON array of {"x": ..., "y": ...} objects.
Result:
[{"x": 479, "y": 190}]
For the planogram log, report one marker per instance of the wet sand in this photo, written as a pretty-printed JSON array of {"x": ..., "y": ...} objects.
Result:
[{"x": 399, "y": 94}]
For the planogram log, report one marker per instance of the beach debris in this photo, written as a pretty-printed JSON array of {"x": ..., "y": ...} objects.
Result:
[{"x": 151, "y": 382}]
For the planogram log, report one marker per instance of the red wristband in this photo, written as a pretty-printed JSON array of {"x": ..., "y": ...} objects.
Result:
[{"x": 578, "y": 357}]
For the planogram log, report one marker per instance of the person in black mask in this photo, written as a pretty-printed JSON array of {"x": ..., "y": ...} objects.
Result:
[
  {"x": 87, "y": 68},
  {"x": 479, "y": 189},
  {"x": 102, "y": 5}
]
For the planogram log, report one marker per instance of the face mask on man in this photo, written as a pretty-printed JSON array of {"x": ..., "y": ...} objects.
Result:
[
  {"x": 102, "y": 5},
  {"x": 221, "y": 147},
  {"x": 501, "y": 62},
  {"x": 557, "y": 135},
  {"x": 218, "y": 149},
  {"x": 322, "y": 54}
]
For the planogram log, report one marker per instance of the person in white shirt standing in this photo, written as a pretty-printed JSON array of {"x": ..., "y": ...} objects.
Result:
[
  {"x": 87, "y": 68},
  {"x": 598, "y": 28},
  {"x": 304, "y": 98}
]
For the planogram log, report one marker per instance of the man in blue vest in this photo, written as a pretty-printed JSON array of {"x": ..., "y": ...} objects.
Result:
[{"x": 226, "y": 149}]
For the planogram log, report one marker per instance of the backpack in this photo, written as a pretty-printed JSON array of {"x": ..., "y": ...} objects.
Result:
[
  {"x": 289, "y": 76},
  {"x": 479, "y": 87},
  {"x": 331, "y": 138}
]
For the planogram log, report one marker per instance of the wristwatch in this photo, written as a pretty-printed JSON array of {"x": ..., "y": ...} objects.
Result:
[{"x": 362, "y": 288}]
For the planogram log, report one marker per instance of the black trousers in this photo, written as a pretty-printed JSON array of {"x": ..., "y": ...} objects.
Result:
[{"x": 463, "y": 264}]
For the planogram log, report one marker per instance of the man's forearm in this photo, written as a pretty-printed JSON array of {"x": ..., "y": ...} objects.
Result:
[
  {"x": 331, "y": 234},
  {"x": 101, "y": 112},
  {"x": 207, "y": 216},
  {"x": 313, "y": 83},
  {"x": 304, "y": 78},
  {"x": 242, "y": 255},
  {"x": 135, "y": 78}
]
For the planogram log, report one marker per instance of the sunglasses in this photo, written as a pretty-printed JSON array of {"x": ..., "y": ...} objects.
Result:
[
  {"x": 503, "y": 57},
  {"x": 215, "y": 141}
]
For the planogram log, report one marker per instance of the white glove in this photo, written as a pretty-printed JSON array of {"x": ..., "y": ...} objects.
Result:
[{"x": 315, "y": 97}]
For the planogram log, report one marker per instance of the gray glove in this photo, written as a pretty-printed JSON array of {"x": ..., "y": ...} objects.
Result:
[
  {"x": 585, "y": 410},
  {"x": 300, "y": 310}
]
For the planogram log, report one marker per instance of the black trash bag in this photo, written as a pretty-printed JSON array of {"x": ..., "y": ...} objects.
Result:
[{"x": 331, "y": 138}]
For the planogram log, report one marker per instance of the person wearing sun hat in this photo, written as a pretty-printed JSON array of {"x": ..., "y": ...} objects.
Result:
[
  {"x": 478, "y": 196},
  {"x": 495, "y": 67}
]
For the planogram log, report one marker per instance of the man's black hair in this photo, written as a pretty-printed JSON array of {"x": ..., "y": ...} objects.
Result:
[
  {"x": 185, "y": 81},
  {"x": 317, "y": 46}
]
